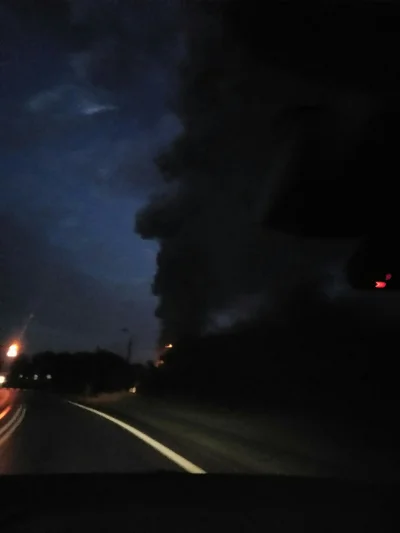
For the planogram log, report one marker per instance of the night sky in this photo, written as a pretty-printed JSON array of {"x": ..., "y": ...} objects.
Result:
[
  {"x": 83, "y": 113},
  {"x": 144, "y": 146}
]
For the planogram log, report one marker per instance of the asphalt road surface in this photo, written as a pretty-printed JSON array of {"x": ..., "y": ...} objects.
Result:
[{"x": 41, "y": 433}]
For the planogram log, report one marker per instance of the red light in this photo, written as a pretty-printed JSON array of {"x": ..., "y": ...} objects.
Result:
[
  {"x": 388, "y": 277},
  {"x": 380, "y": 284}
]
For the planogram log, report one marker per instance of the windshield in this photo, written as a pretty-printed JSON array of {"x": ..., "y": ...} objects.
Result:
[{"x": 197, "y": 238}]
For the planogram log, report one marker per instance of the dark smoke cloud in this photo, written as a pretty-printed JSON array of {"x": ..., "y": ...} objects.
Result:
[{"x": 251, "y": 125}]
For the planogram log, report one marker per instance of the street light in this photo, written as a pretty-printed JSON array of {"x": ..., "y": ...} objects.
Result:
[
  {"x": 161, "y": 361},
  {"x": 13, "y": 350}
]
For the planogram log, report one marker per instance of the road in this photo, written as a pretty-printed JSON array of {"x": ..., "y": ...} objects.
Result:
[
  {"x": 41, "y": 433},
  {"x": 45, "y": 434}
]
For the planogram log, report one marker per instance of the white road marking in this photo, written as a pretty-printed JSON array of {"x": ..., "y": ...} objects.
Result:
[
  {"x": 167, "y": 452},
  {"x": 8, "y": 429},
  {"x": 16, "y": 414}
]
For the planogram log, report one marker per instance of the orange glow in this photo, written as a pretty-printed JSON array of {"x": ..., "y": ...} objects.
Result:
[
  {"x": 169, "y": 346},
  {"x": 13, "y": 350},
  {"x": 4, "y": 396},
  {"x": 5, "y": 411},
  {"x": 380, "y": 284}
]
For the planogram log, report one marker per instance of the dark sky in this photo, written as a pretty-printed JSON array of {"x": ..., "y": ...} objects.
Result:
[
  {"x": 91, "y": 94},
  {"x": 83, "y": 113}
]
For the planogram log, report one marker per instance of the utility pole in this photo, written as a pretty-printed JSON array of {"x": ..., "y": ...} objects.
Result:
[
  {"x": 25, "y": 326},
  {"x": 129, "y": 345},
  {"x": 129, "y": 349}
]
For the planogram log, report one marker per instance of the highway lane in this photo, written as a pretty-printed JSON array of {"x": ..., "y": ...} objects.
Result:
[
  {"x": 42, "y": 433},
  {"x": 284, "y": 443},
  {"x": 55, "y": 436}
]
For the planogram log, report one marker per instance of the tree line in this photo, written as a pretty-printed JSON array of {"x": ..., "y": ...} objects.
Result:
[{"x": 80, "y": 372}]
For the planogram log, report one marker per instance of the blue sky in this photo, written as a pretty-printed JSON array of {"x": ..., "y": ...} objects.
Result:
[{"x": 77, "y": 164}]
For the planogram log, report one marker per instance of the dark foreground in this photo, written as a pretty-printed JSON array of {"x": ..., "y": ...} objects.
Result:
[{"x": 152, "y": 502}]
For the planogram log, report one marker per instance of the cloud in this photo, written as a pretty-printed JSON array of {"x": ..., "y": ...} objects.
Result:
[
  {"x": 128, "y": 41},
  {"x": 114, "y": 75},
  {"x": 91, "y": 108},
  {"x": 248, "y": 126},
  {"x": 67, "y": 100}
]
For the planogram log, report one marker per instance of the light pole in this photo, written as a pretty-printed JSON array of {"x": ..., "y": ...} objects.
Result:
[
  {"x": 25, "y": 326},
  {"x": 129, "y": 345}
]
